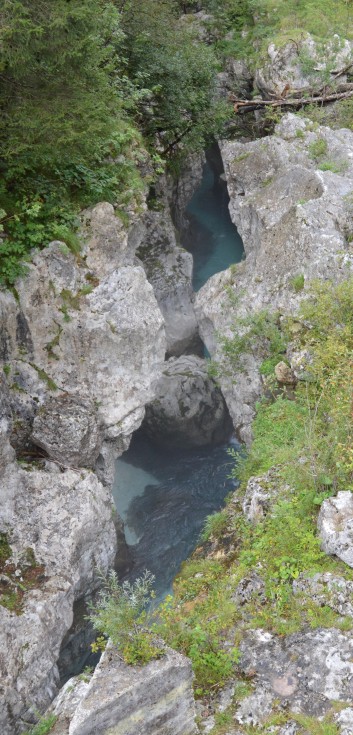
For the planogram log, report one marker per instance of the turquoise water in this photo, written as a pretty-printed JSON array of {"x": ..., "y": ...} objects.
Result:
[{"x": 212, "y": 238}]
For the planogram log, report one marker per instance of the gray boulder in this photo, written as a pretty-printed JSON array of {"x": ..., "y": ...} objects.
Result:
[
  {"x": 66, "y": 428},
  {"x": 155, "y": 699},
  {"x": 261, "y": 494},
  {"x": 307, "y": 671},
  {"x": 285, "y": 65},
  {"x": 169, "y": 270},
  {"x": 189, "y": 409},
  {"x": 335, "y": 524},
  {"x": 284, "y": 374}
]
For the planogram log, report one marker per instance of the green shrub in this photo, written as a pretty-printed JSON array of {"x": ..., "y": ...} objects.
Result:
[
  {"x": 318, "y": 148},
  {"x": 121, "y": 613},
  {"x": 42, "y": 727},
  {"x": 215, "y": 525},
  {"x": 258, "y": 334}
]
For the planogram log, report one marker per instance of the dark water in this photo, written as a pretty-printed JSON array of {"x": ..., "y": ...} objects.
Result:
[
  {"x": 163, "y": 498},
  {"x": 212, "y": 238}
]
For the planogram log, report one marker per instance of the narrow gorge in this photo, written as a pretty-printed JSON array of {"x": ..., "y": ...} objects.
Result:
[{"x": 176, "y": 335}]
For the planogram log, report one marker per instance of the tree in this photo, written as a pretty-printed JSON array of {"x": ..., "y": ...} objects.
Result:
[
  {"x": 63, "y": 119},
  {"x": 58, "y": 67},
  {"x": 165, "y": 57},
  {"x": 122, "y": 613}
]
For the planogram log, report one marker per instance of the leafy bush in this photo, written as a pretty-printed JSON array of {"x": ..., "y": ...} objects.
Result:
[
  {"x": 121, "y": 613},
  {"x": 318, "y": 148},
  {"x": 215, "y": 524},
  {"x": 42, "y": 727}
]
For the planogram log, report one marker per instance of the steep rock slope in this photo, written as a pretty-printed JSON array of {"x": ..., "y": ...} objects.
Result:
[
  {"x": 290, "y": 197},
  {"x": 82, "y": 343}
]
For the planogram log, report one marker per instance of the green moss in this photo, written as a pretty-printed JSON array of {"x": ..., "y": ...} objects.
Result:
[
  {"x": 43, "y": 727},
  {"x": 50, "y": 346},
  {"x": 5, "y": 548},
  {"x": 336, "y": 168},
  {"x": 45, "y": 377}
]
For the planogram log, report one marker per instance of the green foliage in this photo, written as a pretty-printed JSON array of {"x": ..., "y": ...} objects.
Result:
[
  {"x": 257, "y": 334},
  {"x": 42, "y": 727},
  {"x": 318, "y": 148},
  {"x": 5, "y": 548},
  {"x": 66, "y": 140},
  {"x": 191, "y": 628},
  {"x": 174, "y": 75},
  {"x": 80, "y": 82},
  {"x": 121, "y": 613},
  {"x": 313, "y": 726},
  {"x": 214, "y": 525},
  {"x": 280, "y": 22},
  {"x": 298, "y": 282},
  {"x": 332, "y": 166},
  {"x": 307, "y": 444}
]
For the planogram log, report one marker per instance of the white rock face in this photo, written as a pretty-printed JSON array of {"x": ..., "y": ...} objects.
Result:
[
  {"x": 335, "y": 524},
  {"x": 307, "y": 670},
  {"x": 261, "y": 494},
  {"x": 82, "y": 348},
  {"x": 67, "y": 429},
  {"x": 65, "y": 519},
  {"x": 94, "y": 332},
  {"x": 294, "y": 220},
  {"x": 285, "y": 65},
  {"x": 155, "y": 699}
]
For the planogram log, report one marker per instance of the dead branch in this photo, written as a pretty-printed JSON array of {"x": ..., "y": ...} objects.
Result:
[{"x": 244, "y": 106}]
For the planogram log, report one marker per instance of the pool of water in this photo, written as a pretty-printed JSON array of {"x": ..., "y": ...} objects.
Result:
[
  {"x": 212, "y": 239},
  {"x": 163, "y": 497}
]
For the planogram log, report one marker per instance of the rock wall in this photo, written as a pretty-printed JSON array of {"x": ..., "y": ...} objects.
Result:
[
  {"x": 169, "y": 270},
  {"x": 82, "y": 344},
  {"x": 293, "y": 211},
  {"x": 155, "y": 699}
]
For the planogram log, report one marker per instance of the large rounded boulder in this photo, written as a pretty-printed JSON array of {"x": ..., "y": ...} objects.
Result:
[
  {"x": 189, "y": 409},
  {"x": 66, "y": 428}
]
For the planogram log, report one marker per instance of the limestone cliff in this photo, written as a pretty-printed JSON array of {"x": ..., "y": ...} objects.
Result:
[
  {"x": 82, "y": 343},
  {"x": 293, "y": 211}
]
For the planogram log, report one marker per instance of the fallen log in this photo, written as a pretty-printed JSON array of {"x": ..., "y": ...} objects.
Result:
[{"x": 243, "y": 106}]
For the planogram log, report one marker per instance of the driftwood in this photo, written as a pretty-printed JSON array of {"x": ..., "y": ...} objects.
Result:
[{"x": 298, "y": 98}]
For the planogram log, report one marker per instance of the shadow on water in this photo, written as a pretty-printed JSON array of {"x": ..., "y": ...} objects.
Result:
[{"x": 211, "y": 238}]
